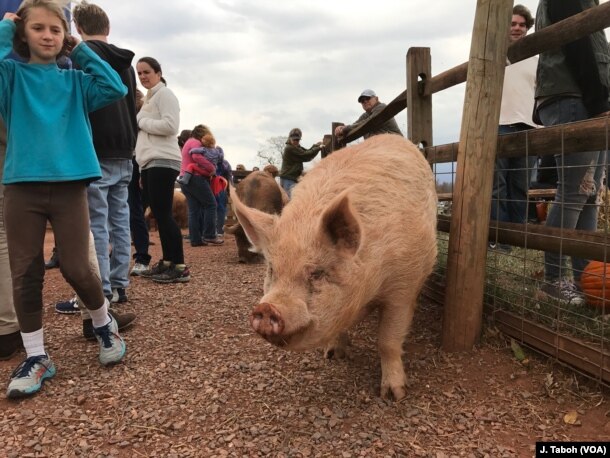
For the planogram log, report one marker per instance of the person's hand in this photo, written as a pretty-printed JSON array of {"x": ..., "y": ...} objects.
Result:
[
  {"x": 339, "y": 131},
  {"x": 70, "y": 42},
  {"x": 11, "y": 17},
  {"x": 318, "y": 144}
]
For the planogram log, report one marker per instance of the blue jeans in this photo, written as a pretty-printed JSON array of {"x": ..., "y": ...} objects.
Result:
[
  {"x": 202, "y": 208},
  {"x": 287, "y": 184},
  {"x": 580, "y": 175},
  {"x": 511, "y": 183},
  {"x": 137, "y": 223},
  {"x": 221, "y": 211},
  {"x": 109, "y": 219}
]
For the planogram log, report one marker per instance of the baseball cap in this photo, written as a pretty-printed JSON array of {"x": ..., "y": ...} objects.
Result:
[
  {"x": 295, "y": 134},
  {"x": 367, "y": 93}
]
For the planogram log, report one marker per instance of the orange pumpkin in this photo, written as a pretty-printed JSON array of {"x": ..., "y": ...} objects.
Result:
[{"x": 593, "y": 283}]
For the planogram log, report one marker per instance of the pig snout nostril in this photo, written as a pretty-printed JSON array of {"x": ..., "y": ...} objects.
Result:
[{"x": 266, "y": 320}]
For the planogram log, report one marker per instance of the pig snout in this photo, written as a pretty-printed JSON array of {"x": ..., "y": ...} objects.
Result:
[{"x": 267, "y": 321}]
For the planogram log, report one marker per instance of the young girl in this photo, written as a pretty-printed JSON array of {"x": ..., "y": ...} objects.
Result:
[{"x": 49, "y": 161}]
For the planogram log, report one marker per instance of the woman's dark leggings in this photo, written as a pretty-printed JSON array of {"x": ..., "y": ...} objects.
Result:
[{"x": 158, "y": 191}]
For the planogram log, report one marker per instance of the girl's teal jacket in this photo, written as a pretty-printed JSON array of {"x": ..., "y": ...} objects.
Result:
[{"x": 46, "y": 113}]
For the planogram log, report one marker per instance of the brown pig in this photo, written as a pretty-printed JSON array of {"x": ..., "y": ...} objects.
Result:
[
  {"x": 258, "y": 190},
  {"x": 358, "y": 235},
  {"x": 179, "y": 212}
]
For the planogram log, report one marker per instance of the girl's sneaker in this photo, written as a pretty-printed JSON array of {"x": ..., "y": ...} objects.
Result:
[
  {"x": 112, "y": 345},
  {"x": 29, "y": 376}
]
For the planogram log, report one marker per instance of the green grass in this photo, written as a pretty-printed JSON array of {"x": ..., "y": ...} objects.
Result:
[{"x": 512, "y": 282}]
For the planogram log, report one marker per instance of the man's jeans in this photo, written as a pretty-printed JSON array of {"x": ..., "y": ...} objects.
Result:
[
  {"x": 109, "y": 218},
  {"x": 511, "y": 183},
  {"x": 580, "y": 176},
  {"x": 137, "y": 224},
  {"x": 287, "y": 185}
]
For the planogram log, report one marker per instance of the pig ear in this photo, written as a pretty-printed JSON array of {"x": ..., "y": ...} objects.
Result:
[
  {"x": 255, "y": 223},
  {"x": 341, "y": 225}
]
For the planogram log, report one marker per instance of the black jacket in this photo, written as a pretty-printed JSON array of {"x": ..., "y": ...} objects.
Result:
[{"x": 115, "y": 128}]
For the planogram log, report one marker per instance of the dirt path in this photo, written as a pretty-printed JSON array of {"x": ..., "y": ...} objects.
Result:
[{"x": 197, "y": 382}]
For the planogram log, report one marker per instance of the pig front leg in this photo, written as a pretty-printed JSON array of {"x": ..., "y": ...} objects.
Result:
[
  {"x": 394, "y": 322},
  {"x": 338, "y": 347}
]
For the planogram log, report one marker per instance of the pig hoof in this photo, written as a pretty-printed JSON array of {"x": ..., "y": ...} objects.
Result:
[
  {"x": 393, "y": 392},
  {"x": 335, "y": 353},
  {"x": 266, "y": 320}
]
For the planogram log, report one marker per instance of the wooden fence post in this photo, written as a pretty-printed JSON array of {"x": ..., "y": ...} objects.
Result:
[
  {"x": 419, "y": 107},
  {"x": 335, "y": 143},
  {"x": 463, "y": 310}
]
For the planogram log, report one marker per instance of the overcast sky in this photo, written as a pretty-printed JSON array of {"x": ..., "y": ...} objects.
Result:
[{"x": 252, "y": 70}]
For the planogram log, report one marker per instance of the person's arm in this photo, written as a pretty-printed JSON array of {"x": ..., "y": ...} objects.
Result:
[
  {"x": 197, "y": 155},
  {"x": 7, "y": 31},
  {"x": 361, "y": 120},
  {"x": 581, "y": 60},
  {"x": 302, "y": 154},
  {"x": 169, "y": 109},
  {"x": 101, "y": 84}
]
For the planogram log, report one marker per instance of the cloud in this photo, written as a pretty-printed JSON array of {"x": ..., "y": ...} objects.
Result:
[{"x": 254, "y": 70}]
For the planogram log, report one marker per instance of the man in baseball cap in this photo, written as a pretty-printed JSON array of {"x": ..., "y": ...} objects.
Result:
[{"x": 371, "y": 106}]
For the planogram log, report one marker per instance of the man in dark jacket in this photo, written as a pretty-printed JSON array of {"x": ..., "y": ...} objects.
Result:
[
  {"x": 114, "y": 136},
  {"x": 371, "y": 106},
  {"x": 572, "y": 84},
  {"x": 293, "y": 157}
]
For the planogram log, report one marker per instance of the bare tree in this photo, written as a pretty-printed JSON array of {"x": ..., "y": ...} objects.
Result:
[{"x": 271, "y": 151}]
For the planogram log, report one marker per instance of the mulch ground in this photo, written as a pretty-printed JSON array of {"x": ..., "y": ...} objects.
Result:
[{"x": 197, "y": 382}]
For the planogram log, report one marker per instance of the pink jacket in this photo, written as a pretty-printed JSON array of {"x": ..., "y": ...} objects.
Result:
[{"x": 197, "y": 164}]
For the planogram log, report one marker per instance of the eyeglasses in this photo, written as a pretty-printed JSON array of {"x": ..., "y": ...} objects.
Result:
[{"x": 364, "y": 99}]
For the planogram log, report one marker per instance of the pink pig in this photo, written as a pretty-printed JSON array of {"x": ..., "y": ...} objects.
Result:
[{"x": 358, "y": 235}]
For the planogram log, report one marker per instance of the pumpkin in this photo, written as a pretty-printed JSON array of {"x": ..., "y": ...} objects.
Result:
[{"x": 593, "y": 283}]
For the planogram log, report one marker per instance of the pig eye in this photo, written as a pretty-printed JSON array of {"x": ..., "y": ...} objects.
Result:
[{"x": 317, "y": 274}]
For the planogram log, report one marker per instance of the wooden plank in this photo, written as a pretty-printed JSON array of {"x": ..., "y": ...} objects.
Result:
[
  {"x": 419, "y": 112},
  {"x": 586, "y": 357},
  {"x": 588, "y": 135},
  {"x": 570, "y": 242},
  {"x": 533, "y": 194},
  {"x": 476, "y": 156}
]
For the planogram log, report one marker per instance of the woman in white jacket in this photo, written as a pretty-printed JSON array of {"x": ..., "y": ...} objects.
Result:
[{"x": 158, "y": 156}]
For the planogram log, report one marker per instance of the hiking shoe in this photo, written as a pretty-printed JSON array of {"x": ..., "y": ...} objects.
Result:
[
  {"x": 157, "y": 269},
  {"x": 123, "y": 320},
  {"x": 563, "y": 291},
  {"x": 214, "y": 241},
  {"x": 118, "y": 296},
  {"x": 173, "y": 275},
  {"x": 53, "y": 261},
  {"x": 29, "y": 376},
  {"x": 138, "y": 268},
  {"x": 112, "y": 345},
  {"x": 10, "y": 344},
  {"x": 68, "y": 307},
  {"x": 196, "y": 244}
]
